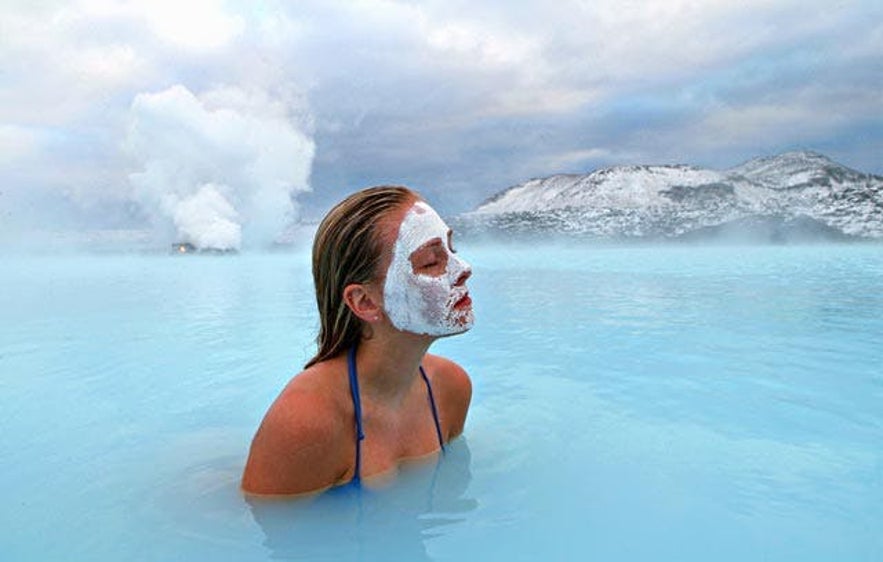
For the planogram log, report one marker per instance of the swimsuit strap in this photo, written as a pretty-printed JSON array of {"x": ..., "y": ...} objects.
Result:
[
  {"x": 357, "y": 407},
  {"x": 438, "y": 430}
]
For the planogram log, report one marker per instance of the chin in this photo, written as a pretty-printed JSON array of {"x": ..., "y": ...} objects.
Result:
[
  {"x": 456, "y": 321},
  {"x": 461, "y": 322}
]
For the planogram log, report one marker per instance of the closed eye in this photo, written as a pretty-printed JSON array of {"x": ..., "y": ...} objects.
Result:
[{"x": 431, "y": 258}]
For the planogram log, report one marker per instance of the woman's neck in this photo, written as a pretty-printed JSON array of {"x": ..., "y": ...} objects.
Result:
[{"x": 388, "y": 364}]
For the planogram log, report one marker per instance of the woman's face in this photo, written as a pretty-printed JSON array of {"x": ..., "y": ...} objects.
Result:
[{"x": 425, "y": 287}]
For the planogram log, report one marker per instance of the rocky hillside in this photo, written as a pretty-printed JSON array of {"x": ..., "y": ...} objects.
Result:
[{"x": 795, "y": 194}]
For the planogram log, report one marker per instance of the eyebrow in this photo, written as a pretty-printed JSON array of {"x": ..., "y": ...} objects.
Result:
[{"x": 437, "y": 241}]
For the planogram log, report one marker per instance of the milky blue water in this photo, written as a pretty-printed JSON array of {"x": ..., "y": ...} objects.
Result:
[{"x": 630, "y": 404}]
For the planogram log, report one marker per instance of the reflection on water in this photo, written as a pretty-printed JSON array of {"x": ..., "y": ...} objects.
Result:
[{"x": 352, "y": 522}]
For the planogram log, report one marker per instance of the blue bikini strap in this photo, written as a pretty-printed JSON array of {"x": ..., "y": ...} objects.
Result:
[
  {"x": 357, "y": 406},
  {"x": 438, "y": 430}
]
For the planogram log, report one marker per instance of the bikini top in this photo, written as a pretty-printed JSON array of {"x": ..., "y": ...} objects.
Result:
[{"x": 357, "y": 406}]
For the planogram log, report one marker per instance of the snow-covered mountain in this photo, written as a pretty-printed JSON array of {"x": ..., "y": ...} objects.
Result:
[{"x": 803, "y": 192}]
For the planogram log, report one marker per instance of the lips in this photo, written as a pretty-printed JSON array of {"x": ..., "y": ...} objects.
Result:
[{"x": 463, "y": 301}]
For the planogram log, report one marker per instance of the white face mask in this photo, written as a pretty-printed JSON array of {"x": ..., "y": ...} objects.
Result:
[{"x": 419, "y": 302}]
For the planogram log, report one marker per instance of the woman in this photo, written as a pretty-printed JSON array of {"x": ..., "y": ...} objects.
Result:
[{"x": 388, "y": 284}]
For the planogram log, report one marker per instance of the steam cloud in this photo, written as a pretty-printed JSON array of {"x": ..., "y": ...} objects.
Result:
[{"x": 219, "y": 170}]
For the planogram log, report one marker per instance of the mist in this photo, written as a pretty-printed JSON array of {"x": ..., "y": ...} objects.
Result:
[{"x": 220, "y": 170}]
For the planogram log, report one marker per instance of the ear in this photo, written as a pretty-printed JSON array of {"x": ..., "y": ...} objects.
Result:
[{"x": 363, "y": 302}]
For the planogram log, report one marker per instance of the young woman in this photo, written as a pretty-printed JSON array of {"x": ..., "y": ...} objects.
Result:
[{"x": 388, "y": 284}]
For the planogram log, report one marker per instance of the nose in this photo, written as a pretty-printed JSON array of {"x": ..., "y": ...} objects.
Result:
[
  {"x": 464, "y": 273},
  {"x": 467, "y": 273}
]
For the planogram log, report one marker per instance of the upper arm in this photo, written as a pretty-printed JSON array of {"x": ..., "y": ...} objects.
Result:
[
  {"x": 454, "y": 389},
  {"x": 296, "y": 448}
]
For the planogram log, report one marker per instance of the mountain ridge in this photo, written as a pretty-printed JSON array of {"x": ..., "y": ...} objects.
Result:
[{"x": 671, "y": 201}]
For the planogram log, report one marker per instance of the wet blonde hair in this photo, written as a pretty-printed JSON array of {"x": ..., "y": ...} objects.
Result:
[{"x": 348, "y": 248}]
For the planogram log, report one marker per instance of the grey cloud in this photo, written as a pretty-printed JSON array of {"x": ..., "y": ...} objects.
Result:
[{"x": 464, "y": 99}]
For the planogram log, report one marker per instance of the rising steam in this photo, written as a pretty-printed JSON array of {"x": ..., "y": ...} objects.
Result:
[{"x": 219, "y": 170}]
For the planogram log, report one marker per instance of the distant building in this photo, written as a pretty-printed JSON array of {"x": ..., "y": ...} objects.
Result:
[{"x": 183, "y": 248}]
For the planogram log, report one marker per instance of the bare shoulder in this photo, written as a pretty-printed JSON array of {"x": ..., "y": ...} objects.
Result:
[
  {"x": 449, "y": 374},
  {"x": 453, "y": 390},
  {"x": 299, "y": 446}
]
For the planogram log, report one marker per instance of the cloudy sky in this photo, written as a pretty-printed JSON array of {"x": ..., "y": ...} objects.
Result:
[{"x": 115, "y": 114}]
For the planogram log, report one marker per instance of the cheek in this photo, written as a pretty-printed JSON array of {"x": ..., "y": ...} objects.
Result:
[
  {"x": 434, "y": 293},
  {"x": 413, "y": 295}
]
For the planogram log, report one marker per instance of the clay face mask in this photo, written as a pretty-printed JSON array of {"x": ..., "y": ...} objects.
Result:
[{"x": 416, "y": 301}]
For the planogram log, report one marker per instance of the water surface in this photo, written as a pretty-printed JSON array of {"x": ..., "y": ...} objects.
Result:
[{"x": 630, "y": 403}]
